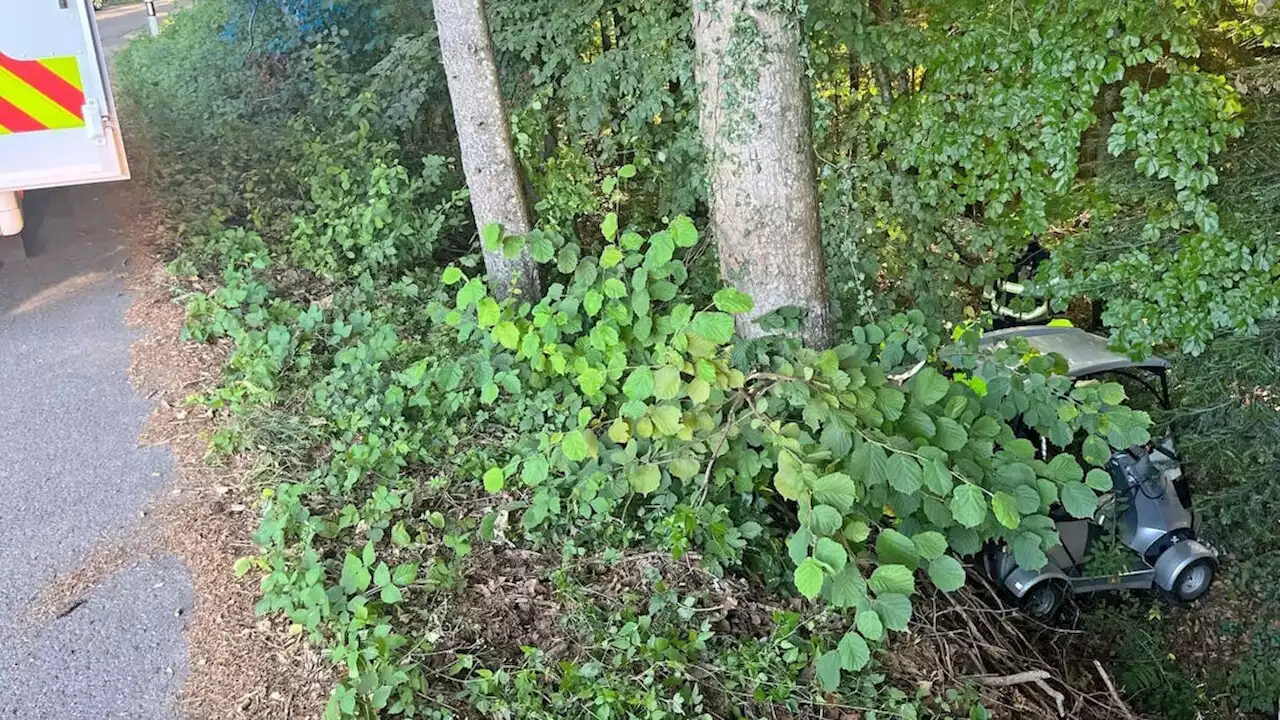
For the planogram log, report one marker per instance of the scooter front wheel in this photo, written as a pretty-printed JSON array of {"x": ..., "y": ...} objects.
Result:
[{"x": 1194, "y": 581}]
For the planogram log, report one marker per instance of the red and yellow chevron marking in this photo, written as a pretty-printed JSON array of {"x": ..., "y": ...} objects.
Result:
[{"x": 45, "y": 94}]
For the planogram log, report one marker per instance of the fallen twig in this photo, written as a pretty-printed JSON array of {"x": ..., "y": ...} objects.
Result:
[{"x": 1106, "y": 680}]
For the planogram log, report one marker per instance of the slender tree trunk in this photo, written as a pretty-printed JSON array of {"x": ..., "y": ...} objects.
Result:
[
  {"x": 493, "y": 176},
  {"x": 755, "y": 125}
]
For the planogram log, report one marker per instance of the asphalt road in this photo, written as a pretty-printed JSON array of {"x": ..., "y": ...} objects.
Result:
[
  {"x": 72, "y": 477},
  {"x": 119, "y": 23}
]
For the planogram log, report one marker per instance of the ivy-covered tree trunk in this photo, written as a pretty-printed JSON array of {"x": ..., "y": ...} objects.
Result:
[
  {"x": 493, "y": 176},
  {"x": 754, "y": 120}
]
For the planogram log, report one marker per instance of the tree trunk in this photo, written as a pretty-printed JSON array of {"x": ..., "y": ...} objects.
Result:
[
  {"x": 755, "y": 124},
  {"x": 488, "y": 161}
]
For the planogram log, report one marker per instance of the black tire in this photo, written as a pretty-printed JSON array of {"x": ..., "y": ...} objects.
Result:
[
  {"x": 1194, "y": 581},
  {"x": 1043, "y": 600}
]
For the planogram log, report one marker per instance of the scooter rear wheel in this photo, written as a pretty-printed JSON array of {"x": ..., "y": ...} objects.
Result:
[
  {"x": 1043, "y": 600},
  {"x": 1194, "y": 581}
]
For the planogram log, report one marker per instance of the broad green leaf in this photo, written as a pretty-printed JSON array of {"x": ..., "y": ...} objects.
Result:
[
  {"x": 1099, "y": 480},
  {"x": 892, "y": 579},
  {"x": 400, "y": 535},
  {"x": 1111, "y": 393},
  {"x": 1027, "y": 499},
  {"x": 609, "y": 228},
  {"x": 666, "y": 383},
  {"x": 831, "y": 553},
  {"x": 837, "y": 490},
  {"x": 494, "y": 480},
  {"x": 1006, "y": 509},
  {"x": 355, "y": 576},
  {"x": 856, "y": 530},
  {"x": 451, "y": 275},
  {"x": 827, "y": 670},
  {"x": 592, "y": 301},
  {"x": 825, "y": 520},
  {"x": 733, "y": 302},
  {"x": 639, "y": 384},
  {"x": 507, "y": 334},
  {"x": 683, "y": 232},
  {"x": 491, "y": 237},
  {"x": 946, "y": 573},
  {"x": 904, "y": 473},
  {"x": 1064, "y": 469},
  {"x": 541, "y": 248},
  {"x": 382, "y": 575},
  {"x": 890, "y": 401},
  {"x": 390, "y": 594},
  {"x": 574, "y": 446},
  {"x": 684, "y": 468},
  {"x": 666, "y": 419},
  {"x": 489, "y": 393},
  {"x": 836, "y": 438},
  {"x": 929, "y": 386},
  {"x": 968, "y": 505},
  {"x": 848, "y": 589},
  {"x": 405, "y": 574},
  {"x": 610, "y": 256},
  {"x": 660, "y": 251},
  {"x": 854, "y": 653},
  {"x": 699, "y": 390},
  {"x": 937, "y": 478},
  {"x": 488, "y": 312},
  {"x": 645, "y": 479},
  {"x": 627, "y": 171},
  {"x": 614, "y": 288},
  {"x": 894, "y": 548},
  {"x": 869, "y": 624},
  {"x": 930, "y": 544},
  {"x": 620, "y": 431},
  {"x": 894, "y": 610},
  {"x": 534, "y": 471},
  {"x": 1079, "y": 500},
  {"x": 591, "y": 380},
  {"x": 789, "y": 479},
  {"x": 716, "y": 327},
  {"x": 808, "y": 578},
  {"x": 964, "y": 541},
  {"x": 950, "y": 436},
  {"x": 1096, "y": 451},
  {"x": 1027, "y": 552}
]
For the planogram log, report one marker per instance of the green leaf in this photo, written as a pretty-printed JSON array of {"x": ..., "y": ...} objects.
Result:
[
  {"x": 489, "y": 393},
  {"x": 699, "y": 390},
  {"x": 894, "y": 610},
  {"x": 715, "y": 327},
  {"x": 937, "y": 477},
  {"x": 390, "y": 594},
  {"x": 968, "y": 505},
  {"x": 825, "y": 520},
  {"x": 666, "y": 383},
  {"x": 574, "y": 446},
  {"x": 491, "y": 237},
  {"x": 848, "y": 589},
  {"x": 661, "y": 249},
  {"x": 541, "y": 248},
  {"x": 592, "y": 301},
  {"x": 591, "y": 380},
  {"x": 1099, "y": 480},
  {"x": 627, "y": 171},
  {"x": 891, "y": 401},
  {"x": 1027, "y": 552},
  {"x": 1064, "y": 469},
  {"x": 929, "y": 386},
  {"x": 666, "y": 419},
  {"x": 808, "y": 578},
  {"x": 1079, "y": 500},
  {"x": 894, "y": 548},
  {"x": 1096, "y": 451},
  {"x": 904, "y": 473},
  {"x": 355, "y": 576},
  {"x": 892, "y": 579},
  {"x": 242, "y": 566},
  {"x": 854, "y": 653},
  {"x": 857, "y": 530},
  {"x": 733, "y": 302},
  {"x": 837, "y": 490},
  {"x": 400, "y": 535},
  {"x": 950, "y": 436},
  {"x": 1006, "y": 509},
  {"x": 507, "y": 334},
  {"x": 614, "y": 288},
  {"x": 494, "y": 480},
  {"x": 789, "y": 480},
  {"x": 620, "y": 431},
  {"x": 836, "y": 438},
  {"x": 827, "y": 670},
  {"x": 946, "y": 573},
  {"x": 645, "y": 479},
  {"x": 405, "y": 574},
  {"x": 869, "y": 624},
  {"x": 610, "y": 256},
  {"x": 535, "y": 471},
  {"x": 1027, "y": 499},
  {"x": 610, "y": 226},
  {"x": 930, "y": 544},
  {"x": 639, "y": 384},
  {"x": 451, "y": 275},
  {"x": 1111, "y": 393},
  {"x": 964, "y": 540},
  {"x": 382, "y": 575},
  {"x": 831, "y": 553}
]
